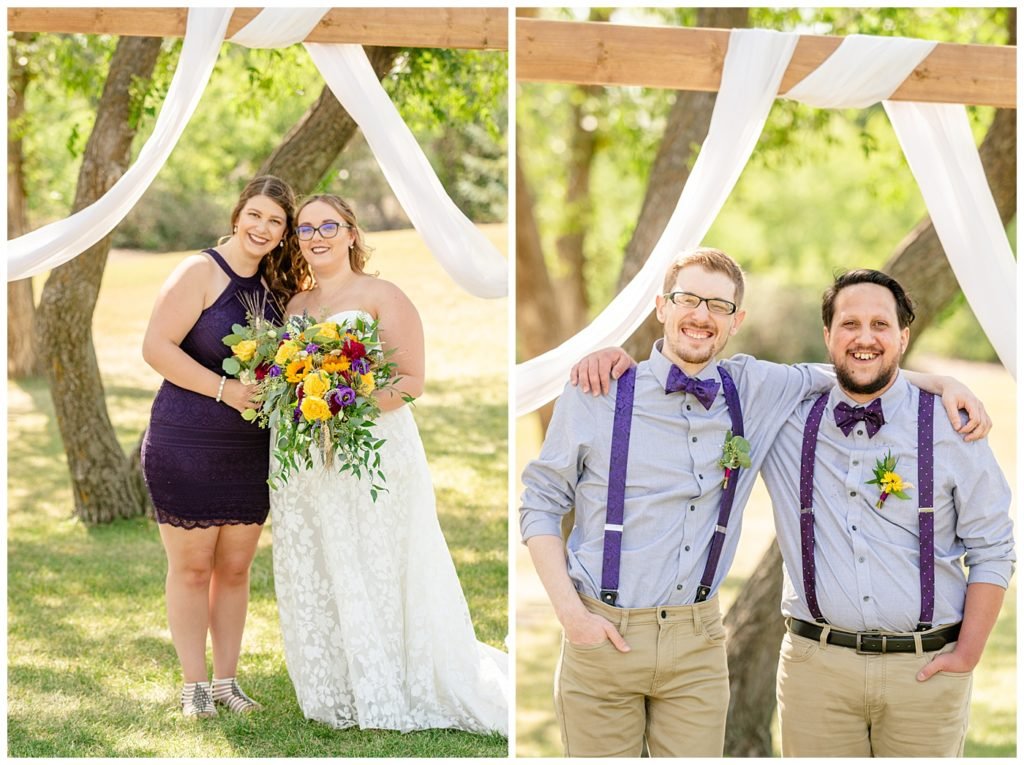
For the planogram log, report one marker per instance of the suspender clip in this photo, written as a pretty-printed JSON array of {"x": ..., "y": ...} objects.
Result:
[
  {"x": 702, "y": 593},
  {"x": 922, "y": 627},
  {"x": 609, "y": 596}
]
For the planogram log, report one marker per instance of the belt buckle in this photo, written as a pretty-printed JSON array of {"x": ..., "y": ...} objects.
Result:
[{"x": 872, "y": 633}]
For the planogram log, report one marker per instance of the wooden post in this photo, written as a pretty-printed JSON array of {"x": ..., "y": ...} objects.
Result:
[
  {"x": 681, "y": 58},
  {"x": 478, "y": 28}
]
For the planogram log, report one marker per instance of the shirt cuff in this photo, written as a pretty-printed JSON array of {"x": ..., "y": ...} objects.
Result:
[
  {"x": 997, "y": 572},
  {"x": 536, "y": 524}
]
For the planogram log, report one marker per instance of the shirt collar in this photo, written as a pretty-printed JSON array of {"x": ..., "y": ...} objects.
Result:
[
  {"x": 660, "y": 365},
  {"x": 892, "y": 400}
]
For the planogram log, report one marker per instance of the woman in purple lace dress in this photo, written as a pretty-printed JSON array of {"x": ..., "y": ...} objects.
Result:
[{"x": 206, "y": 467}]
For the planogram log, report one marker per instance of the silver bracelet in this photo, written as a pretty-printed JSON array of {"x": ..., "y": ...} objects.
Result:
[{"x": 220, "y": 390}]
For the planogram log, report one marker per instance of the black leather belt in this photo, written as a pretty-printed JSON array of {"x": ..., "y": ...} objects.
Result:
[{"x": 876, "y": 642}]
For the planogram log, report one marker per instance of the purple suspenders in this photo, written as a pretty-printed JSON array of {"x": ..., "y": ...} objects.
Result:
[
  {"x": 926, "y": 506},
  {"x": 925, "y": 514},
  {"x": 617, "y": 488},
  {"x": 732, "y": 401}
]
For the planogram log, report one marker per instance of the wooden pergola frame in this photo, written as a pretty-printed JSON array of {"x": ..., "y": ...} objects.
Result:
[
  {"x": 598, "y": 53},
  {"x": 474, "y": 28}
]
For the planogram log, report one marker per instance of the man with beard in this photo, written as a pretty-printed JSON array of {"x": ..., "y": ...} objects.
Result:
[
  {"x": 876, "y": 502},
  {"x": 656, "y": 521}
]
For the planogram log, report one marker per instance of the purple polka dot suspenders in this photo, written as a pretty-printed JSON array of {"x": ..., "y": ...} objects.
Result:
[
  {"x": 925, "y": 514},
  {"x": 732, "y": 401},
  {"x": 617, "y": 488}
]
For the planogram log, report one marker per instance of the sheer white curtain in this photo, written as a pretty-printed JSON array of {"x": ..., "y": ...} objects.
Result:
[
  {"x": 58, "y": 242},
  {"x": 465, "y": 253},
  {"x": 753, "y": 69},
  {"x": 462, "y": 250},
  {"x": 862, "y": 71}
]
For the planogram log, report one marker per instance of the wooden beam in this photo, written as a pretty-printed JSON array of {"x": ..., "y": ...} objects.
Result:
[
  {"x": 477, "y": 28},
  {"x": 594, "y": 53}
]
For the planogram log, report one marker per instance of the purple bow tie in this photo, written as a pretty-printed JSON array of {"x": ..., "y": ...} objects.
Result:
[
  {"x": 847, "y": 416},
  {"x": 704, "y": 390}
]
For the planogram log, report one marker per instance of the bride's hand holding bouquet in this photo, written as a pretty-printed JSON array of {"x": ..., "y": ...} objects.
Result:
[{"x": 315, "y": 384}]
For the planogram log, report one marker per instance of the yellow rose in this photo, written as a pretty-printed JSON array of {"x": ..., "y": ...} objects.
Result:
[
  {"x": 297, "y": 370},
  {"x": 366, "y": 382},
  {"x": 285, "y": 352},
  {"x": 316, "y": 384},
  {"x": 315, "y": 409},
  {"x": 327, "y": 329},
  {"x": 244, "y": 350}
]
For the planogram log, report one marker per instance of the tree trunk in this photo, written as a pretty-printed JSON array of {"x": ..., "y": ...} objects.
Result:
[
  {"x": 754, "y": 627},
  {"x": 22, "y": 340},
  {"x": 685, "y": 131},
  {"x": 577, "y": 222},
  {"x": 539, "y": 325},
  {"x": 315, "y": 141},
  {"x": 104, "y": 485}
]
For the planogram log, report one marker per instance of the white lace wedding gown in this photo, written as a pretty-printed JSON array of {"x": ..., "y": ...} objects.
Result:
[{"x": 376, "y": 629}]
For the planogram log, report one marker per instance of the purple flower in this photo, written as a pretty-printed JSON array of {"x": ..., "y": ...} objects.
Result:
[
  {"x": 345, "y": 394},
  {"x": 312, "y": 348},
  {"x": 274, "y": 371},
  {"x": 298, "y": 414},
  {"x": 360, "y": 366},
  {"x": 286, "y": 336}
]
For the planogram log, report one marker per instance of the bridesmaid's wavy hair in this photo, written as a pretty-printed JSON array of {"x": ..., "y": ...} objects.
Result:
[
  {"x": 359, "y": 253},
  {"x": 283, "y": 268}
]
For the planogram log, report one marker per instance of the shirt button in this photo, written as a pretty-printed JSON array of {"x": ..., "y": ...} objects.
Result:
[
  {"x": 856, "y": 462},
  {"x": 687, "y": 548},
  {"x": 860, "y": 559},
  {"x": 867, "y": 598},
  {"x": 853, "y": 494},
  {"x": 860, "y": 432},
  {"x": 688, "y": 407},
  {"x": 692, "y": 508},
  {"x": 679, "y": 586},
  {"x": 695, "y": 439},
  {"x": 700, "y": 476},
  {"x": 854, "y": 528}
]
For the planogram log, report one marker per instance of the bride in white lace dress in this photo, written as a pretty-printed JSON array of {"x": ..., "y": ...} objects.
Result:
[{"x": 376, "y": 629}]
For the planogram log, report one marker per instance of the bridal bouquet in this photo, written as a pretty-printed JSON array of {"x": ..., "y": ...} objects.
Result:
[{"x": 315, "y": 384}]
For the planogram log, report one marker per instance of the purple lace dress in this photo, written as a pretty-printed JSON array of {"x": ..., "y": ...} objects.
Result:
[{"x": 204, "y": 465}]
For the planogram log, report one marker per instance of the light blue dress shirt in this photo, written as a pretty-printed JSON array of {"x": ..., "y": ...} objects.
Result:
[
  {"x": 673, "y": 479},
  {"x": 867, "y": 560}
]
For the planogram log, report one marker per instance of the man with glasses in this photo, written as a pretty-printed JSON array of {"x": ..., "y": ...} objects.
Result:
[{"x": 658, "y": 475}]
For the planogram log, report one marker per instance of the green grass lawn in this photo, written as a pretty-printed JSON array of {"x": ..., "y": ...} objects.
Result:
[
  {"x": 993, "y": 717},
  {"x": 91, "y": 668}
]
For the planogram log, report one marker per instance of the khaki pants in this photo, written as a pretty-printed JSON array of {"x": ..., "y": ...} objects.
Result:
[
  {"x": 672, "y": 688},
  {"x": 834, "y": 702}
]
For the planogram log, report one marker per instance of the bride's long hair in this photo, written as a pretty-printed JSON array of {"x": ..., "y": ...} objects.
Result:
[{"x": 358, "y": 253}]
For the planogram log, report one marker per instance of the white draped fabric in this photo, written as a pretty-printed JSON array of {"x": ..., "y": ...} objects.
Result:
[
  {"x": 58, "y": 242},
  {"x": 468, "y": 257},
  {"x": 459, "y": 246},
  {"x": 937, "y": 141},
  {"x": 862, "y": 71},
  {"x": 753, "y": 68},
  {"x": 279, "y": 27}
]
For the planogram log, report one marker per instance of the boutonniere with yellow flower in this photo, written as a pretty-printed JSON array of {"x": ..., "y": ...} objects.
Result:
[
  {"x": 888, "y": 480},
  {"x": 735, "y": 454}
]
